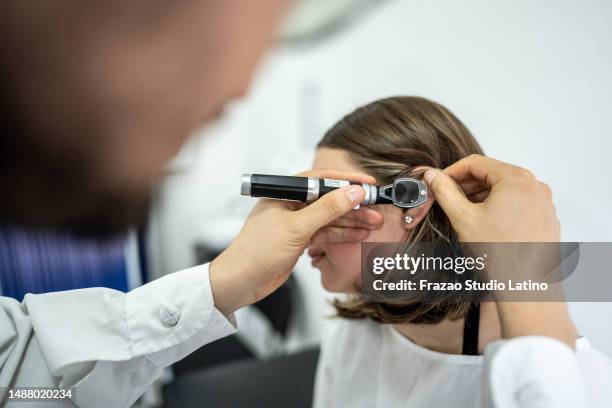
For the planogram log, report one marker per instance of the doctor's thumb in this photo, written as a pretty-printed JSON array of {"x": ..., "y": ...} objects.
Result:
[
  {"x": 448, "y": 195},
  {"x": 328, "y": 208}
]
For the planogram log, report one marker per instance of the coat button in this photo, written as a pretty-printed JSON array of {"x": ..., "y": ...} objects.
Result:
[{"x": 169, "y": 315}]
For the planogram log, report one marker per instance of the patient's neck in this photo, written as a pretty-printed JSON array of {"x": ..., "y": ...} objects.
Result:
[{"x": 447, "y": 336}]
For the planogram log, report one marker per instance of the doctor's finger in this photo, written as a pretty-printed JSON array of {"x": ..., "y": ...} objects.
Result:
[
  {"x": 361, "y": 218},
  {"x": 337, "y": 235},
  {"x": 326, "y": 209},
  {"x": 481, "y": 168},
  {"x": 472, "y": 186},
  {"x": 338, "y": 175},
  {"x": 478, "y": 197},
  {"x": 449, "y": 196}
]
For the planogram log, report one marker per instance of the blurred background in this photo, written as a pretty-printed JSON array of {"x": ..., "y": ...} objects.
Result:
[{"x": 532, "y": 81}]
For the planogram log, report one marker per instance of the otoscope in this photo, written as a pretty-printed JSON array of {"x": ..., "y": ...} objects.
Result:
[{"x": 404, "y": 192}]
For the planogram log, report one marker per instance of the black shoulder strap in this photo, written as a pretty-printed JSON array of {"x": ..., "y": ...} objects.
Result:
[{"x": 470, "y": 330}]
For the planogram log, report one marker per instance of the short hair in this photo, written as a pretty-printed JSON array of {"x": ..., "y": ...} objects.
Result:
[{"x": 391, "y": 138}]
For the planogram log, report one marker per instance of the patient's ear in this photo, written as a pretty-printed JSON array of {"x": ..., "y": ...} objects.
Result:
[{"x": 418, "y": 213}]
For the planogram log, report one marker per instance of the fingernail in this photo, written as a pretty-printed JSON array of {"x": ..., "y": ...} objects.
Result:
[
  {"x": 354, "y": 194},
  {"x": 429, "y": 176}
]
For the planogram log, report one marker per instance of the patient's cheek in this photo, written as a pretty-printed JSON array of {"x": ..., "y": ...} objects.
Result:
[
  {"x": 346, "y": 259},
  {"x": 343, "y": 272},
  {"x": 392, "y": 230},
  {"x": 344, "y": 253}
]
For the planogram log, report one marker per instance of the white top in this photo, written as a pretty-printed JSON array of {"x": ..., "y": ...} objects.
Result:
[
  {"x": 367, "y": 364},
  {"x": 107, "y": 345}
]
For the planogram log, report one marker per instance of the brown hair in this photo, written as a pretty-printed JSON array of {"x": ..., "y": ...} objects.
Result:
[{"x": 388, "y": 139}]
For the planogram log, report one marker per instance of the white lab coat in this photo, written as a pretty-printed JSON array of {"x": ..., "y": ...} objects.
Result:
[
  {"x": 107, "y": 345},
  {"x": 366, "y": 364}
]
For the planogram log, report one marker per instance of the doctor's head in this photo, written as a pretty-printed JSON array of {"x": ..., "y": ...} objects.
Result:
[
  {"x": 96, "y": 97},
  {"x": 390, "y": 138}
]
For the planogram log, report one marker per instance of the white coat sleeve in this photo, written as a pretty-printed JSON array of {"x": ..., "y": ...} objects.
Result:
[
  {"x": 105, "y": 344},
  {"x": 530, "y": 372}
]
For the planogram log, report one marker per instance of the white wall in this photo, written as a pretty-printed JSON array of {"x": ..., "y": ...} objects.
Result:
[{"x": 532, "y": 80}]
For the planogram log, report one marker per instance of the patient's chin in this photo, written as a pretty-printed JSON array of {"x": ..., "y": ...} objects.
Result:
[
  {"x": 328, "y": 283},
  {"x": 333, "y": 289},
  {"x": 334, "y": 284}
]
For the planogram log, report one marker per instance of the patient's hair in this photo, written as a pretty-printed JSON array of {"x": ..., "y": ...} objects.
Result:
[{"x": 388, "y": 139}]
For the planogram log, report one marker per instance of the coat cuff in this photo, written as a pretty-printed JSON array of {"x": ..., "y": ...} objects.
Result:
[
  {"x": 163, "y": 320},
  {"x": 531, "y": 371}
]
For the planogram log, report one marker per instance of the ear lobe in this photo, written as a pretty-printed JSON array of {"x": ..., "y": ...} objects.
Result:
[{"x": 418, "y": 213}]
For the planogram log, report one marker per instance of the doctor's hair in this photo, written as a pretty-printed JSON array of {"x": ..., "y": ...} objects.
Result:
[{"x": 391, "y": 138}]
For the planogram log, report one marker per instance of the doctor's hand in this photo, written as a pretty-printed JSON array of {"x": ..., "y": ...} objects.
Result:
[
  {"x": 491, "y": 201},
  {"x": 487, "y": 200},
  {"x": 275, "y": 235}
]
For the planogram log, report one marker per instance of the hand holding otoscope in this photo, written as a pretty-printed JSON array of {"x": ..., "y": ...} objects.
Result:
[{"x": 276, "y": 234}]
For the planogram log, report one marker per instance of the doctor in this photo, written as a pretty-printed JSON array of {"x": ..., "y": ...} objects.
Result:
[{"x": 96, "y": 97}]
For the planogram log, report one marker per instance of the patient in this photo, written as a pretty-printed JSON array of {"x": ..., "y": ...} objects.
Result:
[{"x": 411, "y": 354}]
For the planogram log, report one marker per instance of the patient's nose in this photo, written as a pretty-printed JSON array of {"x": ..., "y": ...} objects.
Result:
[{"x": 315, "y": 250}]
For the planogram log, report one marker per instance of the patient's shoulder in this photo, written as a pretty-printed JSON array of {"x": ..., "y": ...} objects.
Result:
[
  {"x": 340, "y": 328},
  {"x": 351, "y": 337}
]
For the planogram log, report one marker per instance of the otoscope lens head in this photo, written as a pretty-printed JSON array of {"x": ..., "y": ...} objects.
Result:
[{"x": 408, "y": 192}]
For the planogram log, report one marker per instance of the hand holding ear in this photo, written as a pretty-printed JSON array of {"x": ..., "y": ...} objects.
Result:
[{"x": 515, "y": 206}]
